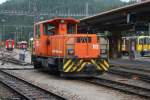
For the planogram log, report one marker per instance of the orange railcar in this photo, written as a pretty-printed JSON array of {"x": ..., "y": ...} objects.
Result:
[{"x": 58, "y": 46}]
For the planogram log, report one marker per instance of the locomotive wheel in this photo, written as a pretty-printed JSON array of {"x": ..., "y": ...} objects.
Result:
[
  {"x": 142, "y": 53},
  {"x": 37, "y": 65}
]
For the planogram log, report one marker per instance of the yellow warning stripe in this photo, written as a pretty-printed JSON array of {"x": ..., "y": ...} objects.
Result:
[
  {"x": 106, "y": 63},
  {"x": 73, "y": 69},
  {"x": 68, "y": 69},
  {"x": 98, "y": 67},
  {"x": 71, "y": 66},
  {"x": 68, "y": 62},
  {"x": 103, "y": 66},
  {"x": 88, "y": 63},
  {"x": 83, "y": 64},
  {"x": 80, "y": 62},
  {"x": 78, "y": 66}
]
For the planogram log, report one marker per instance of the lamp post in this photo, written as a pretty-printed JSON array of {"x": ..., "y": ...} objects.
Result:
[
  {"x": 16, "y": 35},
  {"x": 149, "y": 28},
  {"x": 3, "y": 34}
]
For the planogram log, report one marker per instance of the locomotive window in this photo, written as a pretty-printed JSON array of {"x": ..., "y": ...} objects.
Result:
[
  {"x": 9, "y": 42},
  {"x": 37, "y": 31},
  {"x": 141, "y": 41},
  {"x": 71, "y": 28},
  {"x": 49, "y": 29},
  {"x": 83, "y": 39},
  {"x": 146, "y": 40},
  {"x": 149, "y": 41}
]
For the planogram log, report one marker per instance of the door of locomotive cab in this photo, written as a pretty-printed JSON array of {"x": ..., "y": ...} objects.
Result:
[
  {"x": 40, "y": 41},
  {"x": 49, "y": 31}
]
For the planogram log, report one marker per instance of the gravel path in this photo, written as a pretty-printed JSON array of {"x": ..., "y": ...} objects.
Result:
[
  {"x": 11, "y": 66},
  {"x": 70, "y": 88},
  {"x": 7, "y": 94},
  {"x": 28, "y": 55},
  {"x": 73, "y": 89}
]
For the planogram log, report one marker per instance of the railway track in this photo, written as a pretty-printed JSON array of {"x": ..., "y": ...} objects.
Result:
[
  {"x": 8, "y": 56},
  {"x": 27, "y": 90},
  {"x": 138, "y": 68},
  {"x": 17, "y": 69},
  {"x": 131, "y": 73},
  {"x": 14, "y": 61},
  {"x": 123, "y": 84}
]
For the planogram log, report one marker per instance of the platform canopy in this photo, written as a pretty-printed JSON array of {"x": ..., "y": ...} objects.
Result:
[{"x": 119, "y": 19}]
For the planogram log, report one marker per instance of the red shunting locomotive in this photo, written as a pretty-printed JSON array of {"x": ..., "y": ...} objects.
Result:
[{"x": 9, "y": 44}]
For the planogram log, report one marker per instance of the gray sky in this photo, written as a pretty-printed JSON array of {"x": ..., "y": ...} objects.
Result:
[
  {"x": 125, "y": 0},
  {"x": 1, "y": 1}
]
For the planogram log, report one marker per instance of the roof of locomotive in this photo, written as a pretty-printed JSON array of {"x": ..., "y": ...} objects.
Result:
[
  {"x": 57, "y": 20},
  {"x": 9, "y": 40}
]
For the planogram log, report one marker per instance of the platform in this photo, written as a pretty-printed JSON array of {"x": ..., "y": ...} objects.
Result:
[
  {"x": 27, "y": 54},
  {"x": 139, "y": 62}
]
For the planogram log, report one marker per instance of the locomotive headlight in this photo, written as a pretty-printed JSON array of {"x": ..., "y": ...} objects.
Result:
[
  {"x": 70, "y": 51},
  {"x": 145, "y": 49},
  {"x": 103, "y": 51},
  {"x": 9, "y": 45},
  {"x": 62, "y": 21}
]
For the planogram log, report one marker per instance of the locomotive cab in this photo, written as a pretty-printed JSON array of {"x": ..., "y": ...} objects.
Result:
[
  {"x": 9, "y": 44},
  {"x": 58, "y": 46}
]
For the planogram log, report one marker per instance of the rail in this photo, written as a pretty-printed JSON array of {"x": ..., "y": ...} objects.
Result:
[
  {"x": 104, "y": 47},
  {"x": 122, "y": 84},
  {"x": 140, "y": 74},
  {"x": 27, "y": 90}
]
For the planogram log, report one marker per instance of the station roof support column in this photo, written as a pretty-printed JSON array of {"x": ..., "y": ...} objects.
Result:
[
  {"x": 149, "y": 28},
  {"x": 115, "y": 45}
]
